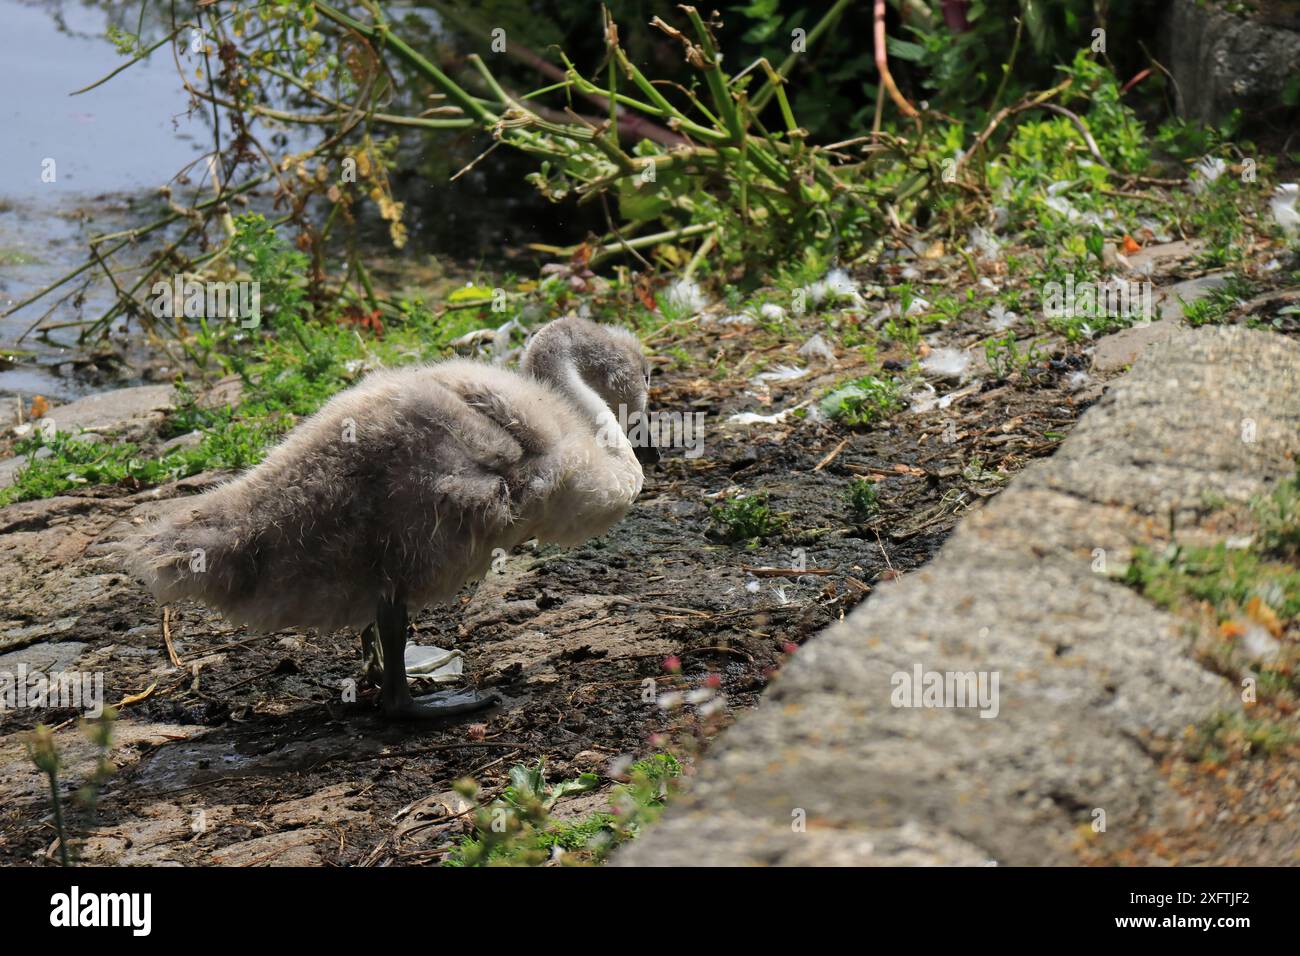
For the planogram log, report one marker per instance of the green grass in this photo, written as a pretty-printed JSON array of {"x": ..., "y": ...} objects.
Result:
[
  {"x": 1228, "y": 733},
  {"x": 1226, "y": 578},
  {"x": 1218, "y": 303},
  {"x": 77, "y": 462},
  {"x": 1241, "y": 587},
  {"x": 1278, "y": 514},
  {"x": 289, "y": 367},
  {"x": 1005, "y": 356}
]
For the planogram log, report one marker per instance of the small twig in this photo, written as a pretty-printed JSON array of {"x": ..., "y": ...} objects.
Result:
[
  {"x": 789, "y": 572},
  {"x": 1007, "y": 67},
  {"x": 882, "y": 64},
  {"x": 832, "y": 456},
  {"x": 665, "y": 608},
  {"x": 167, "y": 637},
  {"x": 888, "y": 563}
]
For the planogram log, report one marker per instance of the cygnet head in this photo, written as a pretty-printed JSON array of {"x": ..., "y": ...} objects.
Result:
[{"x": 579, "y": 358}]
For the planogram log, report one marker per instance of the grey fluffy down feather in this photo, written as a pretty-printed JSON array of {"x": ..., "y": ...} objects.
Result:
[{"x": 449, "y": 462}]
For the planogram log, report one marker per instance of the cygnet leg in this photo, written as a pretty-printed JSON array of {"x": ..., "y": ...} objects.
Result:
[{"x": 391, "y": 621}]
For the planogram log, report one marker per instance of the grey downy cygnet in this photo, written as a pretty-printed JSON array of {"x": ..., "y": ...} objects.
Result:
[{"x": 401, "y": 488}]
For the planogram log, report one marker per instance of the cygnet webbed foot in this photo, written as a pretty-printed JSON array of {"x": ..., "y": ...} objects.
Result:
[
  {"x": 443, "y": 703},
  {"x": 398, "y": 704}
]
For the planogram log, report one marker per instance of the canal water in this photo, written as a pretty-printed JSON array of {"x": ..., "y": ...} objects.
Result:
[{"x": 72, "y": 167}]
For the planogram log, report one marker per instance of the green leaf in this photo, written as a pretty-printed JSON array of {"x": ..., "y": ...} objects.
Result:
[
  {"x": 1096, "y": 243},
  {"x": 584, "y": 783},
  {"x": 903, "y": 50}
]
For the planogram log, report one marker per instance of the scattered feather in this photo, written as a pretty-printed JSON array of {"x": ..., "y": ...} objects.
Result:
[
  {"x": 984, "y": 245},
  {"x": 818, "y": 349},
  {"x": 1078, "y": 381},
  {"x": 887, "y": 311},
  {"x": 753, "y": 418},
  {"x": 946, "y": 363},
  {"x": 780, "y": 373},
  {"x": 1000, "y": 318},
  {"x": 924, "y": 399},
  {"x": 1205, "y": 172},
  {"x": 1283, "y": 207},
  {"x": 685, "y": 295},
  {"x": 837, "y": 286}
]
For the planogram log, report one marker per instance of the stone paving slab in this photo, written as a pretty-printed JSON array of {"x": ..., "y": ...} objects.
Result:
[{"x": 827, "y": 770}]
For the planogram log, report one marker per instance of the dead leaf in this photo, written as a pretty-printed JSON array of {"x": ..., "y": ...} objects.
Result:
[
  {"x": 1231, "y": 630},
  {"x": 136, "y": 698},
  {"x": 1263, "y": 615}
]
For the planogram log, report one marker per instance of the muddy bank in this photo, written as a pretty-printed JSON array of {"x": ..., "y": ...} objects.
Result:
[{"x": 244, "y": 750}]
